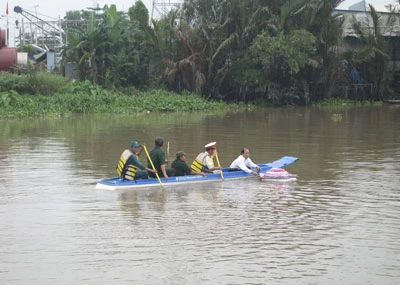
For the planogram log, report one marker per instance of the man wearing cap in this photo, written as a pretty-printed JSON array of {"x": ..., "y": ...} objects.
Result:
[
  {"x": 157, "y": 157},
  {"x": 204, "y": 162},
  {"x": 180, "y": 166},
  {"x": 129, "y": 167},
  {"x": 244, "y": 163}
]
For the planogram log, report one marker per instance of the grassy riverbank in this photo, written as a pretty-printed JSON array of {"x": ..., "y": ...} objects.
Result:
[
  {"x": 13, "y": 104},
  {"x": 44, "y": 94},
  {"x": 340, "y": 104}
]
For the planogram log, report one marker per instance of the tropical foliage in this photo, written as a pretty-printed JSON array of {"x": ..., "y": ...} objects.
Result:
[
  {"x": 282, "y": 51},
  {"x": 372, "y": 57}
]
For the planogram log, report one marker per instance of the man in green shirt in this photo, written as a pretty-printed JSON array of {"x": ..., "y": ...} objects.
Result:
[
  {"x": 157, "y": 156},
  {"x": 180, "y": 166}
]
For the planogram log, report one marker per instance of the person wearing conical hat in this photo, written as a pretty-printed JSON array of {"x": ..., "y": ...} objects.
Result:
[
  {"x": 204, "y": 162},
  {"x": 180, "y": 166}
]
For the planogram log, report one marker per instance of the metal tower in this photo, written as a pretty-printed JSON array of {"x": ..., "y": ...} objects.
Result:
[
  {"x": 46, "y": 33},
  {"x": 162, "y": 7}
]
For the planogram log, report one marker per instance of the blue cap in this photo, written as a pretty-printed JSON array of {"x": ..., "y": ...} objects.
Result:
[{"x": 135, "y": 144}]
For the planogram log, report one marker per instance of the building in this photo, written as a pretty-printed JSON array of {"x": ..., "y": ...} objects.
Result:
[{"x": 389, "y": 26}]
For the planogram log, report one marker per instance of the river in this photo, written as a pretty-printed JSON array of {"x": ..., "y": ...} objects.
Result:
[{"x": 337, "y": 224}]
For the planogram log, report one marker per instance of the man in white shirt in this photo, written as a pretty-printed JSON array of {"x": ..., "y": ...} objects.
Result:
[{"x": 244, "y": 163}]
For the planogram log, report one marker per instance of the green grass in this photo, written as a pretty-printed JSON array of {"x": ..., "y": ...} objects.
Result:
[
  {"x": 57, "y": 97},
  {"x": 339, "y": 104}
]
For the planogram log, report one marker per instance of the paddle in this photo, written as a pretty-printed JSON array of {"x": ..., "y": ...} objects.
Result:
[
  {"x": 167, "y": 153},
  {"x": 219, "y": 165},
  {"x": 152, "y": 165}
]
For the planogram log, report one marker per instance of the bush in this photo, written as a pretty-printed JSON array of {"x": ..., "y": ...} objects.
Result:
[
  {"x": 33, "y": 83},
  {"x": 18, "y": 83},
  {"x": 45, "y": 83}
]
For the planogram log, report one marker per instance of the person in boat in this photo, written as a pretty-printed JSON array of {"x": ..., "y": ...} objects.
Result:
[
  {"x": 157, "y": 156},
  {"x": 244, "y": 163},
  {"x": 129, "y": 167},
  {"x": 180, "y": 166},
  {"x": 204, "y": 162}
]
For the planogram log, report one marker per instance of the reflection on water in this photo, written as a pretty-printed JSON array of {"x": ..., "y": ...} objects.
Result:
[{"x": 338, "y": 223}]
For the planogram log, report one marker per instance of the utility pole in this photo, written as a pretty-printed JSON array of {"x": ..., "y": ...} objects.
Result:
[{"x": 8, "y": 31}]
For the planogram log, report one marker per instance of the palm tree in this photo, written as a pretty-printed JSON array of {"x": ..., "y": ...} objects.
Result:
[
  {"x": 318, "y": 17},
  {"x": 82, "y": 49},
  {"x": 154, "y": 41},
  {"x": 371, "y": 56},
  {"x": 219, "y": 33}
]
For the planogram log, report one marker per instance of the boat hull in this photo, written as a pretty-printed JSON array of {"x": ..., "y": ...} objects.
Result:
[{"x": 118, "y": 183}]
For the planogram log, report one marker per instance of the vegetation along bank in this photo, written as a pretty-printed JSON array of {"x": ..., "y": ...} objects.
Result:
[{"x": 275, "y": 52}]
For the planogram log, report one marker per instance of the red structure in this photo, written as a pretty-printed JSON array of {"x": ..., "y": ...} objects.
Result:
[
  {"x": 8, "y": 55},
  {"x": 2, "y": 38}
]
